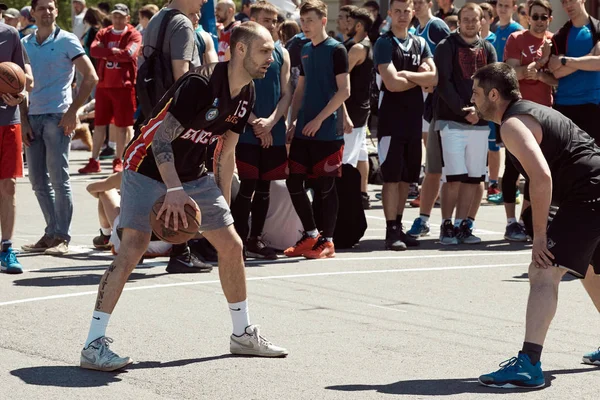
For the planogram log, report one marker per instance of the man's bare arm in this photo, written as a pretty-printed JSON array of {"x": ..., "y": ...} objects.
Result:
[
  {"x": 162, "y": 149},
  {"x": 224, "y": 163}
]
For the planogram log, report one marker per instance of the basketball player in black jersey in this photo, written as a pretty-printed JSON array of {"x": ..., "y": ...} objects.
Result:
[
  {"x": 562, "y": 164},
  {"x": 167, "y": 156},
  {"x": 360, "y": 65}
]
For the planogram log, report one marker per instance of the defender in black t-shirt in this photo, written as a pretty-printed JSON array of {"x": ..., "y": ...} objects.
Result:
[
  {"x": 166, "y": 157},
  {"x": 562, "y": 164}
]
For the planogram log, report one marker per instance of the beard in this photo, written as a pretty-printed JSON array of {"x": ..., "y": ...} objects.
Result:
[
  {"x": 253, "y": 69},
  {"x": 486, "y": 111},
  {"x": 351, "y": 32}
]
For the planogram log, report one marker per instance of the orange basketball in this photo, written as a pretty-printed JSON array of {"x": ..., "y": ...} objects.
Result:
[
  {"x": 12, "y": 78},
  {"x": 169, "y": 235}
]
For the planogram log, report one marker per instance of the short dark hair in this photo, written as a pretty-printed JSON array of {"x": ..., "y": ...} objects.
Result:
[
  {"x": 34, "y": 4},
  {"x": 487, "y": 7},
  {"x": 244, "y": 33},
  {"x": 317, "y": 6},
  {"x": 148, "y": 11},
  {"x": 470, "y": 6},
  {"x": 541, "y": 3},
  {"x": 410, "y": 2},
  {"x": 265, "y": 6},
  {"x": 347, "y": 8},
  {"x": 363, "y": 16},
  {"x": 499, "y": 76},
  {"x": 372, "y": 4},
  {"x": 94, "y": 17}
]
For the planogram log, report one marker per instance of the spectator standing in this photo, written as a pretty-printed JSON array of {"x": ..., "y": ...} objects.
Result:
[
  {"x": 11, "y": 17},
  {"x": 93, "y": 19},
  {"x": 49, "y": 121},
  {"x": 488, "y": 17},
  {"x": 204, "y": 41},
  {"x": 145, "y": 14},
  {"x": 373, "y": 7},
  {"x": 575, "y": 64},
  {"x": 225, "y": 14},
  {"x": 342, "y": 23},
  {"x": 11, "y": 161},
  {"x": 527, "y": 52},
  {"x": 79, "y": 10},
  {"x": 116, "y": 50},
  {"x": 27, "y": 22},
  {"x": 446, "y": 9},
  {"x": 463, "y": 134},
  {"x": 244, "y": 14},
  {"x": 523, "y": 14}
]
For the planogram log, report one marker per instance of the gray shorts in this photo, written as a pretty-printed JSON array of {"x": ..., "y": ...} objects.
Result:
[
  {"x": 433, "y": 156},
  {"x": 138, "y": 194}
]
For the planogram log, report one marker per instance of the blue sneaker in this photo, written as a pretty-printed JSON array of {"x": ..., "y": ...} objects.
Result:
[
  {"x": 592, "y": 358},
  {"x": 516, "y": 373},
  {"x": 419, "y": 228},
  {"x": 9, "y": 262}
]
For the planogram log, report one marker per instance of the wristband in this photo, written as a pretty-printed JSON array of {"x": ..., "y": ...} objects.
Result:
[{"x": 174, "y": 189}]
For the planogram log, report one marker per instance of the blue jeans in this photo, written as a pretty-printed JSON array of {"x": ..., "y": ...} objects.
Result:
[{"x": 48, "y": 162}]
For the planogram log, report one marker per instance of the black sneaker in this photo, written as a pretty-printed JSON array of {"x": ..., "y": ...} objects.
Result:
[
  {"x": 448, "y": 234},
  {"x": 393, "y": 241},
  {"x": 187, "y": 263},
  {"x": 464, "y": 234},
  {"x": 102, "y": 242},
  {"x": 108, "y": 153},
  {"x": 258, "y": 249},
  {"x": 409, "y": 241},
  {"x": 366, "y": 201},
  {"x": 203, "y": 250}
]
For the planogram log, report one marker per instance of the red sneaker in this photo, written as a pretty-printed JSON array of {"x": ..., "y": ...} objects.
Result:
[
  {"x": 92, "y": 167},
  {"x": 322, "y": 249},
  {"x": 493, "y": 190},
  {"x": 306, "y": 243},
  {"x": 416, "y": 203},
  {"x": 117, "y": 165}
]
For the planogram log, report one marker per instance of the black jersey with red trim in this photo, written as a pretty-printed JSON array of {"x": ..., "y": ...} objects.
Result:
[{"x": 201, "y": 102}]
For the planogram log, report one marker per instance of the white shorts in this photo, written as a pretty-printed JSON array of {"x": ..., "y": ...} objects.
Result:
[
  {"x": 464, "y": 153},
  {"x": 355, "y": 146}
]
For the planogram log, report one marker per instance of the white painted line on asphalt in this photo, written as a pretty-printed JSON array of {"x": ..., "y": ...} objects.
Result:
[
  {"x": 386, "y": 308},
  {"x": 265, "y": 278}
]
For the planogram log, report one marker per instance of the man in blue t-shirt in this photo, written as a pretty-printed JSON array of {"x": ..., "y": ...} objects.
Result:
[
  {"x": 316, "y": 148},
  {"x": 575, "y": 65}
]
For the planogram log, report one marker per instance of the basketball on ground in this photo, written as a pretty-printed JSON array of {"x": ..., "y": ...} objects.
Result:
[
  {"x": 169, "y": 235},
  {"x": 12, "y": 78}
]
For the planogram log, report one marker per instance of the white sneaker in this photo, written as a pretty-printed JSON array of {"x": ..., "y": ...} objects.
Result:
[
  {"x": 99, "y": 357},
  {"x": 252, "y": 343}
]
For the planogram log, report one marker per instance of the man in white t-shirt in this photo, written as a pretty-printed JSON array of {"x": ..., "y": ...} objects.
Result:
[{"x": 79, "y": 12}]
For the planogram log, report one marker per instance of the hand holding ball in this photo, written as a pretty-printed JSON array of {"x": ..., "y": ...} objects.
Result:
[{"x": 167, "y": 220}]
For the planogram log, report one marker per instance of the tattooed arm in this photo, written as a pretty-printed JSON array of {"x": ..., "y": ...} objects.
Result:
[
  {"x": 175, "y": 201},
  {"x": 224, "y": 163}
]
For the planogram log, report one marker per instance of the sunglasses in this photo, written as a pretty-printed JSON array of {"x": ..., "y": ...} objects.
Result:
[
  {"x": 543, "y": 17},
  {"x": 523, "y": 13}
]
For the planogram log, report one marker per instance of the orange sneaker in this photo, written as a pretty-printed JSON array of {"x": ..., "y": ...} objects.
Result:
[
  {"x": 322, "y": 249},
  {"x": 416, "y": 203},
  {"x": 303, "y": 245}
]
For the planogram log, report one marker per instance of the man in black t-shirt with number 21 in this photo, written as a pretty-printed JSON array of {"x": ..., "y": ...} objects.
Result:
[{"x": 167, "y": 157}]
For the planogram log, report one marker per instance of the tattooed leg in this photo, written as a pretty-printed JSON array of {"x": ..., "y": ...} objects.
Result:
[{"x": 133, "y": 246}]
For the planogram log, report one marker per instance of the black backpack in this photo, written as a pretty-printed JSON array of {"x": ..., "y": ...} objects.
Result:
[{"x": 155, "y": 76}]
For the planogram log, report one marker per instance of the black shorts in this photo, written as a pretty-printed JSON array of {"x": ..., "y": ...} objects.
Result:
[
  {"x": 583, "y": 116},
  {"x": 400, "y": 158},
  {"x": 316, "y": 158},
  {"x": 255, "y": 162},
  {"x": 573, "y": 236}
]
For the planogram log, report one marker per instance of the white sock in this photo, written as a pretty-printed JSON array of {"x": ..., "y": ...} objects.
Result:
[
  {"x": 112, "y": 145},
  {"x": 457, "y": 221},
  {"x": 98, "y": 327},
  {"x": 239, "y": 317},
  {"x": 313, "y": 234},
  {"x": 106, "y": 231},
  {"x": 329, "y": 239},
  {"x": 511, "y": 221},
  {"x": 424, "y": 218}
]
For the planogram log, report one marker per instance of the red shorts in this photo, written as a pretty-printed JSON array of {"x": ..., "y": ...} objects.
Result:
[
  {"x": 116, "y": 104},
  {"x": 11, "y": 157}
]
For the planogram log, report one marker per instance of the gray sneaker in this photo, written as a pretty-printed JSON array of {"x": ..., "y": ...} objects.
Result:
[
  {"x": 465, "y": 234},
  {"x": 59, "y": 248},
  {"x": 98, "y": 356},
  {"x": 252, "y": 343},
  {"x": 515, "y": 232},
  {"x": 448, "y": 234},
  {"x": 40, "y": 246}
]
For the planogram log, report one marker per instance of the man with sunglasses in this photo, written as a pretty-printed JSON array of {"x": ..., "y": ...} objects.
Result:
[
  {"x": 576, "y": 65},
  {"x": 527, "y": 52}
]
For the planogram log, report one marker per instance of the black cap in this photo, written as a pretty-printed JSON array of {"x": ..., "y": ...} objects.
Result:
[{"x": 121, "y": 9}]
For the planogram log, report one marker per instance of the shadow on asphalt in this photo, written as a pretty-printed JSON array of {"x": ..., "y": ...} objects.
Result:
[
  {"x": 524, "y": 277},
  {"x": 76, "y": 280},
  {"x": 448, "y": 387},
  {"x": 72, "y": 376},
  {"x": 369, "y": 245}
]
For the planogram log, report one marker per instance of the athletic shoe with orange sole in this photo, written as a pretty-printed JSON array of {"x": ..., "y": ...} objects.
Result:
[
  {"x": 322, "y": 249},
  {"x": 306, "y": 243}
]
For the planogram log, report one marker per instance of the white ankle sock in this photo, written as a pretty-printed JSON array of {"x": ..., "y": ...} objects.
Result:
[
  {"x": 98, "y": 327},
  {"x": 106, "y": 231},
  {"x": 112, "y": 145},
  {"x": 511, "y": 221},
  {"x": 239, "y": 317},
  {"x": 424, "y": 218},
  {"x": 313, "y": 234},
  {"x": 457, "y": 221}
]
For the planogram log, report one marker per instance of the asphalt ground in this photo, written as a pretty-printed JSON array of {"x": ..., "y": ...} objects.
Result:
[{"x": 368, "y": 324}]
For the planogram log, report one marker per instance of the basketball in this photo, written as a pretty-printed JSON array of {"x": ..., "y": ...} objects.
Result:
[
  {"x": 181, "y": 235},
  {"x": 12, "y": 78}
]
